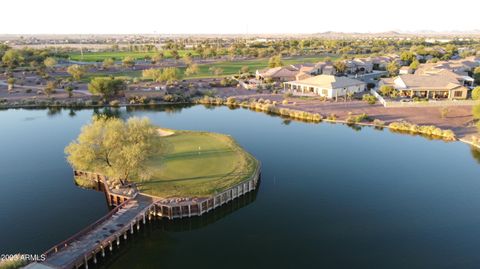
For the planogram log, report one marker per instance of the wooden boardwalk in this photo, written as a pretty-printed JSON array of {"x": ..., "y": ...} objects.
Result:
[
  {"x": 100, "y": 236},
  {"x": 83, "y": 248}
]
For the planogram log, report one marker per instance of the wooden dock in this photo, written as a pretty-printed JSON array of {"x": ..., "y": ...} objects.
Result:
[
  {"x": 132, "y": 209},
  {"x": 101, "y": 236}
]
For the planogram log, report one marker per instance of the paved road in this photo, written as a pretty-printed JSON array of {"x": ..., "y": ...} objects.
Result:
[{"x": 40, "y": 88}]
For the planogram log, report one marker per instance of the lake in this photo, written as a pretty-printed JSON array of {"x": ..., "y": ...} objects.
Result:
[{"x": 330, "y": 196}]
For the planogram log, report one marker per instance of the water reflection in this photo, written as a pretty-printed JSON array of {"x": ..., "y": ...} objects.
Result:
[
  {"x": 169, "y": 109},
  {"x": 475, "y": 153},
  {"x": 54, "y": 111},
  {"x": 155, "y": 235},
  {"x": 109, "y": 112}
]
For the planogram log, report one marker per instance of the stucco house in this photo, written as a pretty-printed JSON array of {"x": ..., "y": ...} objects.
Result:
[
  {"x": 277, "y": 74},
  {"x": 430, "y": 85},
  {"x": 325, "y": 85},
  {"x": 462, "y": 68}
]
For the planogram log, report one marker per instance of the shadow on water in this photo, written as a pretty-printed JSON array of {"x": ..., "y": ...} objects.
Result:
[
  {"x": 109, "y": 112},
  {"x": 157, "y": 231},
  {"x": 167, "y": 108},
  {"x": 475, "y": 153}
]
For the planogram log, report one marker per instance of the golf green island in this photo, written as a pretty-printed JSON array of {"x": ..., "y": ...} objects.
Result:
[
  {"x": 134, "y": 156},
  {"x": 188, "y": 164}
]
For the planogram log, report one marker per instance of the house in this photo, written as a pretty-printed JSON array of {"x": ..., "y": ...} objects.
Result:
[
  {"x": 277, "y": 74},
  {"x": 287, "y": 73},
  {"x": 429, "y": 85},
  {"x": 460, "y": 68},
  {"x": 405, "y": 70},
  {"x": 325, "y": 68},
  {"x": 325, "y": 85}
]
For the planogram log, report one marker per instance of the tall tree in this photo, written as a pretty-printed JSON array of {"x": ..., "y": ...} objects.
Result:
[
  {"x": 12, "y": 58},
  {"x": 476, "y": 75},
  {"x": 113, "y": 147},
  {"x": 191, "y": 70},
  {"x": 476, "y": 93},
  {"x": 157, "y": 57},
  {"x": 128, "y": 62},
  {"x": 275, "y": 61},
  {"x": 340, "y": 66},
  {"x": 170, "y": 74},
  {"x": 108, "y": 63},
  {"x": 106, "y": 87},
  {"x": 153, "y": 74},
  {"x": 76, "y": 71},
  {"x": 49, "y": 62},
  {"x": 393, "y": 68}
]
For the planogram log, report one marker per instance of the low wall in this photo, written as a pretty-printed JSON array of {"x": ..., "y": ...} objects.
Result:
[
  {"x": 174, "y": 208},
  {"x": 430, "y": 103},
  {"x": 178, "y": 208}
]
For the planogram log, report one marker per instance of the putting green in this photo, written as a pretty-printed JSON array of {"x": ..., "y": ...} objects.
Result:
[{"x": 196, "y": 164}]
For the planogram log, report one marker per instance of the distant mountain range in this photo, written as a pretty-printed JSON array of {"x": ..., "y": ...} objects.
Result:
[{"x": 331, "y": 34}]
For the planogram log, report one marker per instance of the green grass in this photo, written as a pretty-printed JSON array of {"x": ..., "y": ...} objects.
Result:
[
  {"x": 196, "y": 164},
  {"x": 229, "y": 68},
  {"x": 119, "y": 55},
  {"x": 233, "y": 67}
]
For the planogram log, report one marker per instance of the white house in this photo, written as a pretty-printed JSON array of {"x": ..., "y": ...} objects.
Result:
[{"x": 325, "y": 85}]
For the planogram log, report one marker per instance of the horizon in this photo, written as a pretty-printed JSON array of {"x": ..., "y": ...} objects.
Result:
[{"x": 213, "y": 17}]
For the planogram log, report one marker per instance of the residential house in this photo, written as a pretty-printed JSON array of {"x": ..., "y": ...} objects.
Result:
[
  {"x": 325, "y": 85},
  {"x": 405, "y": 70},
  {"x": 462, "y": 68},
  {"x": 429, "y": 85},
  {"x": 277, "y": 74}
]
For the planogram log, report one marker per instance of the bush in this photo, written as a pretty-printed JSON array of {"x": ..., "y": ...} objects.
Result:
[
  {"x": 14, "y": 262},
  {"x": 115, "y": 103},
  {"x": 386, "y": 90},
  {"x": 231, "y": 101},
  {"x": 378, "y": 122},
  {"x": 370, "y": 99},
  {"x": 476, "y": 93},
  {"x": 332, "y": 117},
  {"x": 285, "y": 102},
  {"x": 424, "y": 129}
]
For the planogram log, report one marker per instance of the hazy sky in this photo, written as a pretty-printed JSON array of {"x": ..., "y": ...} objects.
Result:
[{"x": 234, "y": 17}]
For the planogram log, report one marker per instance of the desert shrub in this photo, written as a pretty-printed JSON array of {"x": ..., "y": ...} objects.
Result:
[
  {"x": 231, "y": 101},
  {"x": 370, "y": 99},
  {"x": 114, "y": 103},
  {"x": 14, "y": 262},
  {"x": 332, "y": 117},
  {"x": 378, "y": 122},
  {"x": 476, "y": 93},
  {"x": 423, "y": 129}
]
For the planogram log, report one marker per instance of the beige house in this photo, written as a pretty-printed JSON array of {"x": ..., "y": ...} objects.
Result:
[
  {"x": 435, "y": 85},
  {"x": 278, "y": 74},
  {"x": 325, "y": 85},
  {"x": 460, "y": 68}
]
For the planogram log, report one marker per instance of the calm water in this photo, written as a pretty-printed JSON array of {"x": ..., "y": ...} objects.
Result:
[{"x": 330, "y": 196}]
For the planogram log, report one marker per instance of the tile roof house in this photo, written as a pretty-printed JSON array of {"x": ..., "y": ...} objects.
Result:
[
  {"x": 325, "y": 85},
  {"x": 443, "y": 84},
  {"x": 278, "y": 74},
  {"x": 460, "y": 67}
]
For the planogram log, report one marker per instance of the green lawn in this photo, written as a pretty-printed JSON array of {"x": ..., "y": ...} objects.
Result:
[
  {"x": 233, "y": 67},
  {"x": 119, "y": 55},
  {"x": 197, "y": 164},
  {"x": 229, "y": 67}
]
